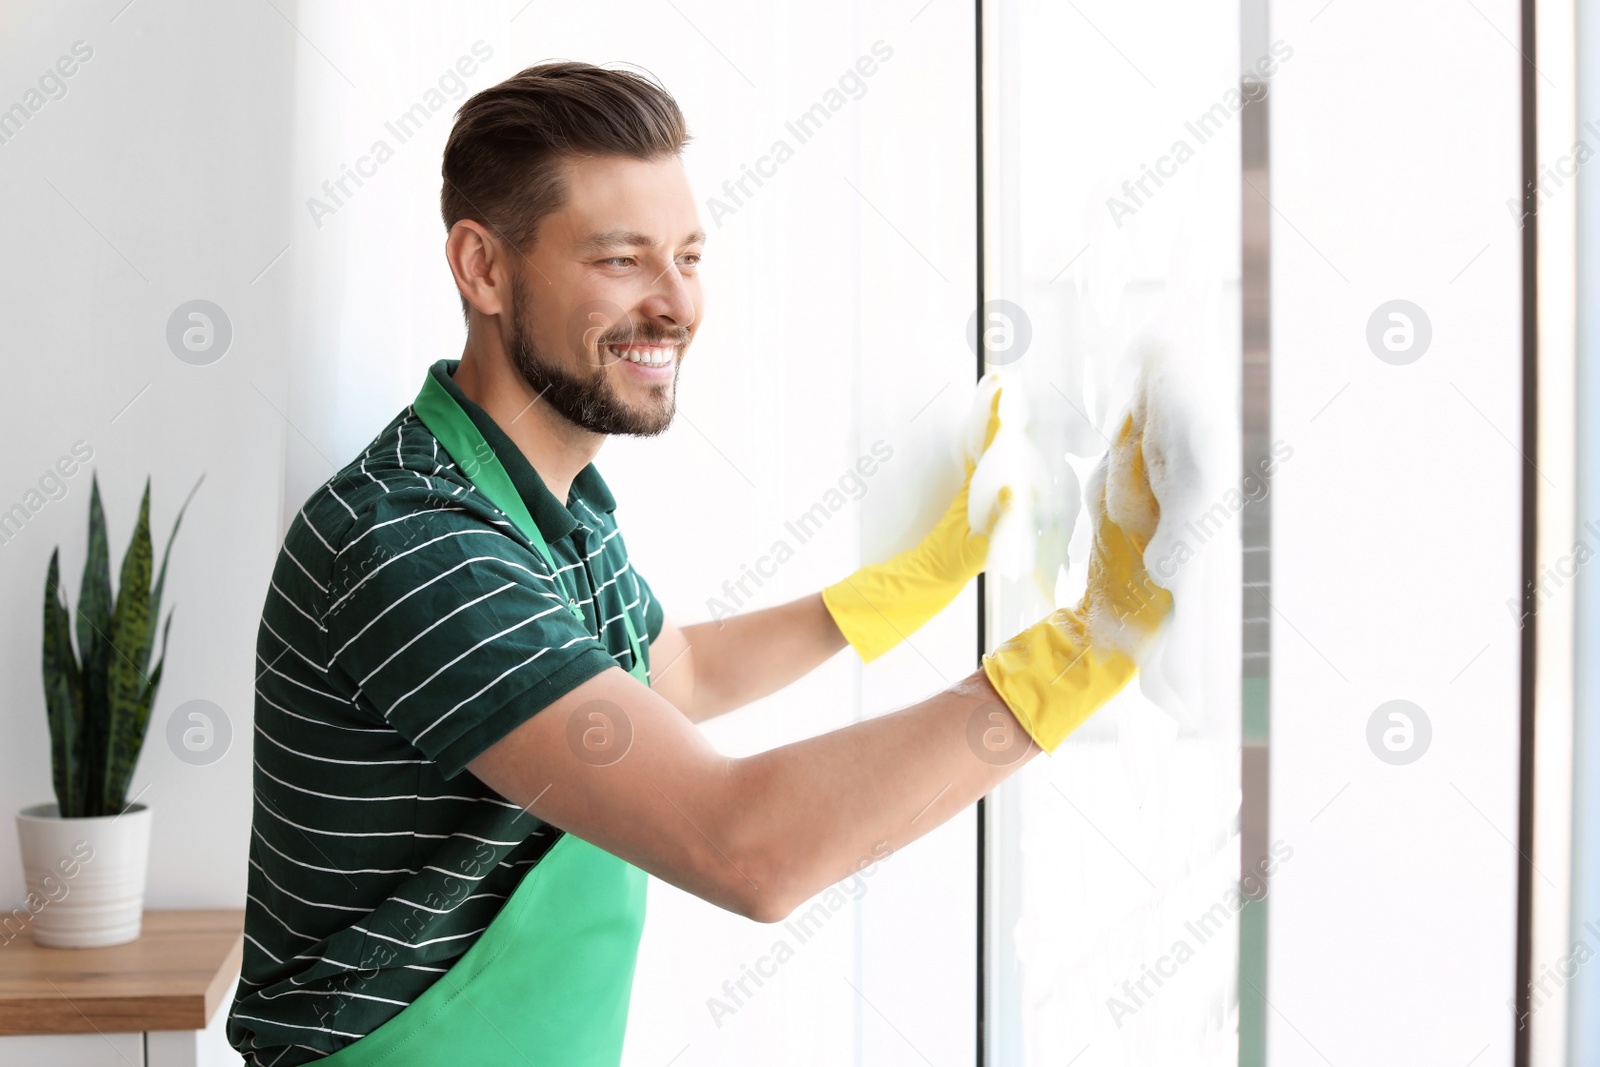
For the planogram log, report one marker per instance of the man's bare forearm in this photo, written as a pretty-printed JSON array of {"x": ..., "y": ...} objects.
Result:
[
  {"x": 761, "y": 834},
  {"x": 816, "y": 811},
  {"x": 749, "y": 656}
]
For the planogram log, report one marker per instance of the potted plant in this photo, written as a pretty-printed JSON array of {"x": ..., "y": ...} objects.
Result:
[{"x": 84, "y": 857}]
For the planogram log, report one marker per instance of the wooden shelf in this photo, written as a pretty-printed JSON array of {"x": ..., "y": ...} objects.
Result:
[{"x": 174, "y": 977}]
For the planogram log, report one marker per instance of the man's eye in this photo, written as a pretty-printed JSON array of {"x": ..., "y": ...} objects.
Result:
[
  {"x": 692, "y": 258},
  {"x": 624, "y": 260}
]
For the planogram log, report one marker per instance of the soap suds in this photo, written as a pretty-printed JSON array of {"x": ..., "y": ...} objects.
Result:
[
  {"x": 1187, "y": 423},
  {"x": 1032, "y": 537},
  {"x": 1187, "y": 431}
]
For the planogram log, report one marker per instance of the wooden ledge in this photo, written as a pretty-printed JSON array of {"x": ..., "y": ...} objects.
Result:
[{"x": 182, "y": 967}]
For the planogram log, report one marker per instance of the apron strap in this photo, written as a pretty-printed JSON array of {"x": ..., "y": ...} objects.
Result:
[{"x": 460, "y": 436}]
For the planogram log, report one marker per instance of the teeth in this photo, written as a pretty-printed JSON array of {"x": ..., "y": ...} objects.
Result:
[{"x": 652, "y": 356}]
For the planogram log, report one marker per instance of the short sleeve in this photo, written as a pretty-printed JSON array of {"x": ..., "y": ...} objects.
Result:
[
  {"x": 450, "y": 629},
  {"x": 654, "y": 616}
]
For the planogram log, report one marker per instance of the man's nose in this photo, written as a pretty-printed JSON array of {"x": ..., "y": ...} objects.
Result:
[{"x": 670, "y": 303}]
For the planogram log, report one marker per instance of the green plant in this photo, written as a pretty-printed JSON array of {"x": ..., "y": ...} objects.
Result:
[{"x": 98, "y": 699}]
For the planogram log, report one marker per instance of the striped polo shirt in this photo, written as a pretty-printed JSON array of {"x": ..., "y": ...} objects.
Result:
[{"x": 408, "y": 626}]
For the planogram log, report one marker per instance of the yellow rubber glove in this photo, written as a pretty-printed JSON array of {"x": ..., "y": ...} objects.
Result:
[
  {"x": 882, "y": 604},
  {"x": 1058, "y": 672}
]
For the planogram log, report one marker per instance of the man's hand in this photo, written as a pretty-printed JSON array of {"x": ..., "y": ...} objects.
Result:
[
  {"x": 714, "y": 667},
  {"x": 761, "y": 834},
  {"x": 882, "y": 604},
  {"x": 1058, "y": 672}
]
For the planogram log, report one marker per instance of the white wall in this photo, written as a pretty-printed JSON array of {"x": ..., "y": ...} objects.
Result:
[
  {"x": 157, "y": 178},
  {"x": 1394, "y": 145}
]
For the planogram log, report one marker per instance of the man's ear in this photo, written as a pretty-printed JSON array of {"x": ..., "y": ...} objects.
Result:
[{"x": 478, "y": 261}]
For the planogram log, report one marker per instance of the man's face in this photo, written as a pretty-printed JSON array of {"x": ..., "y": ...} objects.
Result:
[{"x": 608, "y": 299}]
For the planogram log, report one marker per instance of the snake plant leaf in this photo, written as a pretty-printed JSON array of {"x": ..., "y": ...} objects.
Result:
[
  {"x": 161, "y": 576},
  {"x": 94, "y": 647},
  {"x": 122, "y": 775},
  {"x": 130, "y": 632},
  {"x": 63, "y": 695},
  {"x": 99, "y": 703},
  {"x": 155, "y": 672},
  {"x": 147, "y": 699}
]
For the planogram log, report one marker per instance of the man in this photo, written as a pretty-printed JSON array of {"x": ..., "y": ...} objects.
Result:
[{"x": 475, "y": 722}]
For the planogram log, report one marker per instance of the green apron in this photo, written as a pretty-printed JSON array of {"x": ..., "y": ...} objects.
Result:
[{"x": 547, "y": 983}]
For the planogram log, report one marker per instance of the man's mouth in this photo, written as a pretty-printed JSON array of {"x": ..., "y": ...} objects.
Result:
[{"x": 647, "y": 355}]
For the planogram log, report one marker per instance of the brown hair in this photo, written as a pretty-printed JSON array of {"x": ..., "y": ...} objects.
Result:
[{"x": 504, "y": 162}]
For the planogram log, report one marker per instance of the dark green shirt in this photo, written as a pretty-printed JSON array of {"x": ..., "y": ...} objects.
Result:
[{"x": 409, "y": 625}]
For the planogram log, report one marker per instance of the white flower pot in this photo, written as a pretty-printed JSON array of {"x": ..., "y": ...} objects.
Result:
[{"x": 85, "y": 877}]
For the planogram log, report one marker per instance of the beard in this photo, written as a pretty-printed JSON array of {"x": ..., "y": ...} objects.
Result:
[{"x": 589, "y": 400}]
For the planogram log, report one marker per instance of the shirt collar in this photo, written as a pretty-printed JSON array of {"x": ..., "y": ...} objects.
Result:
[
  {"x": 591, "y": 487},
  {"x": 554, "y": 519}
]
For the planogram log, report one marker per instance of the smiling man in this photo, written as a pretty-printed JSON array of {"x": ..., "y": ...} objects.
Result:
[{"x": 475, "y": 724}]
